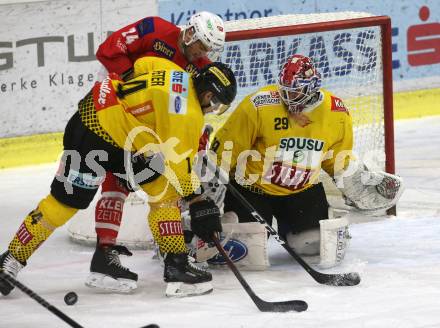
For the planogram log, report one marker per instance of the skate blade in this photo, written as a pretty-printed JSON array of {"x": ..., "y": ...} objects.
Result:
[
  {"x": 105, "y": 282},
  {"x": 181, "y": 289}
]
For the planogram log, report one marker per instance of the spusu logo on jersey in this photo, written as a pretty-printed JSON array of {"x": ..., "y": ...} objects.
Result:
[
  {"x": 177, "y": 103},
  {"x": 301, "y": 143},
  {"x": 297, "y": 161},
  {"x": 301, "y": 151}
]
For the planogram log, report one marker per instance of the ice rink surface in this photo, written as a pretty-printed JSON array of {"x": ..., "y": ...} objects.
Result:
[{"x": 398, "y": 259}]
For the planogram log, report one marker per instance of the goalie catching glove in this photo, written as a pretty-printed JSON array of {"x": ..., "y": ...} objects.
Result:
[
  {"x": 368, "y": 190},
  {"x": 205, "y": 218}
]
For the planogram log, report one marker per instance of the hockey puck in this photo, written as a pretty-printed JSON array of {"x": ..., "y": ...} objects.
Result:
[{"x": 70, "y": 298}]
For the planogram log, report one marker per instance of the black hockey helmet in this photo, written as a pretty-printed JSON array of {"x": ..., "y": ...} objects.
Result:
[{"x": 220, "y": 80}]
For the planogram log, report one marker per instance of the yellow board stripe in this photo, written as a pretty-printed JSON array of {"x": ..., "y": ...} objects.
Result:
[
  {"x": 416, "y": 104},
  {"x": 46, "y": 148},
  {"x": 30, "y": 150}
]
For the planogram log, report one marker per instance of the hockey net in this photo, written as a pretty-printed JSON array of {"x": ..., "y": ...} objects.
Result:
[{"x": 351, "y": 50}]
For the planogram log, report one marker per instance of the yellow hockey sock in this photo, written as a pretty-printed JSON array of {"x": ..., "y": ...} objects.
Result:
[
  {"x": 166, "y": 227},
  {"x": 38, "y": 226}
]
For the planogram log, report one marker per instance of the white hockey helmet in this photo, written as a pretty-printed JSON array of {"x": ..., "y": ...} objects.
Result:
[{"x": 210, "y": 30}]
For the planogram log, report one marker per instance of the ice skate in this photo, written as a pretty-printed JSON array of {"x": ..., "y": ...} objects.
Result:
[
  {"x": 184, "y": 278},
  {"x": 107, "y": 272},
  {"x": 11, "y": 266}
]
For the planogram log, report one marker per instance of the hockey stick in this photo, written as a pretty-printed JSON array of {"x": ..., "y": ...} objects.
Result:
[
  {"x": 262, "y": 305},
  {"x": 337, "y": 279},
  {"x": 39, "y": 299},
  {"x": 47, "y": 305}
]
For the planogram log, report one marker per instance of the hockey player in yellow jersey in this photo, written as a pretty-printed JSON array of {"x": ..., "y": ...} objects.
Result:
[
  {"x": 146, "y": 131},
  {"x": 274, "y": 146}
]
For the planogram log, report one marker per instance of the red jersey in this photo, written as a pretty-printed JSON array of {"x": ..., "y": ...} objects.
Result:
[{"x": 150, "y": 36}]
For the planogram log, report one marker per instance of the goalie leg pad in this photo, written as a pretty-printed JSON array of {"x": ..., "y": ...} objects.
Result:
[
  {"x": 247, "y": 246},
  {"x": 335, "y": 239}
]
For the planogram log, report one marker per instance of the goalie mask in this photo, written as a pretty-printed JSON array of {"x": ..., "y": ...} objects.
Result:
[
  {"x": 210, "y": 30},
  {"x": 298, "y": 82},
  {"x": 220, "y": 80}
]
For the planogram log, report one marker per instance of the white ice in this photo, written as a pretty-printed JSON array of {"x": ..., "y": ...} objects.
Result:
[{"x": 398, "y": 259}]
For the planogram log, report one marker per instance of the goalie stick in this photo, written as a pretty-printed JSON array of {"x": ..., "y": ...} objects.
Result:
[
  {"x": 263, "y": 306},
  {"x": 336, "y": 279}
]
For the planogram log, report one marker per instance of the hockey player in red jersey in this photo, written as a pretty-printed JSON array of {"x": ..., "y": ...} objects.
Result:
[{"x": 191, "y": 47}]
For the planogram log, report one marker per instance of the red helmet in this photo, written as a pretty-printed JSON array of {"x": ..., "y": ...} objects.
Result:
[{"x": 298, "y": 82}]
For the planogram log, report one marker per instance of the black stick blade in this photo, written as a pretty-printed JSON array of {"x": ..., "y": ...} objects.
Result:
[
  {"x": 287, "y": 306},
  {"x": 343, "y": 279},
  {"x": 262, "y": 305}
]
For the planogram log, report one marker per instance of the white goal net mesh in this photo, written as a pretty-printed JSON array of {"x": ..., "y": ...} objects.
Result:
[
  {"x": 349, "y": 60},
  {"x": 351, "y": 65}
]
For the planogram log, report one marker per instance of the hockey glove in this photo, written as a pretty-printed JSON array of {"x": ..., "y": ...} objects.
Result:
[{"x": 205, "y": 219}]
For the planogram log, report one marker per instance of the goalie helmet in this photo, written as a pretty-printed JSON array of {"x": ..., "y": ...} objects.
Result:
[
  {"x": 220, "y": 80},
  {"x": 210, "y": 30},
  {"x": 298, "y": 82}
]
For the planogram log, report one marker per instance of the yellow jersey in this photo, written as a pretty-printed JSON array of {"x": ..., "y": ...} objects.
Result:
[
  {"x": 275, "y": 154},
  {"x": 156, "y": 112}
]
